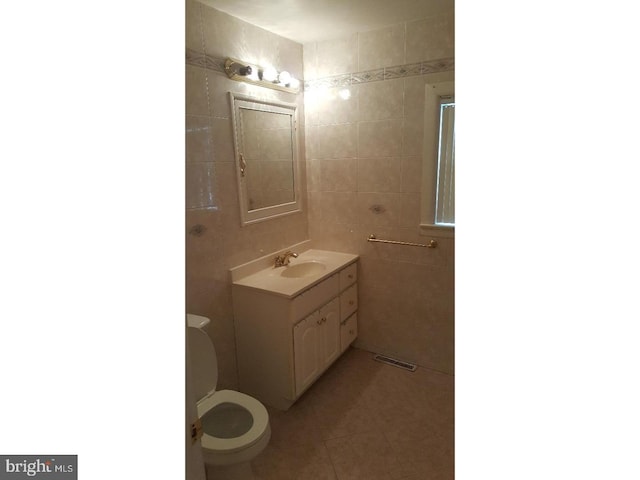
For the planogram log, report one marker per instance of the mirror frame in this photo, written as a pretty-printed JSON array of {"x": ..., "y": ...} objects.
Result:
[{"x": 247, "y": 216}]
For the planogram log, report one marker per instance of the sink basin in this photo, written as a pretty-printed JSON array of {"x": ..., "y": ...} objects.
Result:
[{"x": 305, "y": 269}]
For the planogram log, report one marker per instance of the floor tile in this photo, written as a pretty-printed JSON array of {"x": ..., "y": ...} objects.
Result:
[{"x": 364, "y": 420}]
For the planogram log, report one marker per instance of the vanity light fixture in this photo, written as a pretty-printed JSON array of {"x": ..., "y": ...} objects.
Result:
[{"x": 264, "y": 76}]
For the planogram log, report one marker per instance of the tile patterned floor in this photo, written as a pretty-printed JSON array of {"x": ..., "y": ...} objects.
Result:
[{"x": 364, "y": 420}]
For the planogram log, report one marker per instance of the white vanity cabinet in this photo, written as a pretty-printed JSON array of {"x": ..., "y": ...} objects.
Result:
[{"x": 284, "y": 343}]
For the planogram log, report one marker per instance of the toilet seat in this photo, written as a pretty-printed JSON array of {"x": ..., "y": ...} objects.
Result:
[{"x": 254, "y": 434}]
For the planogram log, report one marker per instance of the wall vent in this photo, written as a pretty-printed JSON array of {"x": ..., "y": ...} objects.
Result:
[{"x": 395, "y": 363}]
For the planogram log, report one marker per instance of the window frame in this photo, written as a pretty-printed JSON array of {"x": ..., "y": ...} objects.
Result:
[{"x": 433, "y": 94}]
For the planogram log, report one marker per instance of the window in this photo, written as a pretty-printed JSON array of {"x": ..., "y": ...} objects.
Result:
[
  {"x": 445, "y": 184},
  {"x": 438, "y": 177}
]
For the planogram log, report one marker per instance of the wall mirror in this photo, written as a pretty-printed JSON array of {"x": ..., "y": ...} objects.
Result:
[{"x": 266, "y": 151}]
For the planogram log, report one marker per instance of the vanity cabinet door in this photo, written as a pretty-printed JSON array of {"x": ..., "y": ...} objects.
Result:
[
  {"x": 329, "y": 332},
  {"x": 316, "y": 344},
  {"x": 306, "y": 342}
]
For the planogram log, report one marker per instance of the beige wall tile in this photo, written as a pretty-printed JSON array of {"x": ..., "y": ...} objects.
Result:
[
  {"x": 379, "y": 174},
  {"x": 289, "y": 57},
  {"x": 337, "y": 56},
  {"x": 379, "y": 209},
  {"x": 222, "y": 133},
  {"x": 200, "y": 180},
  {"x": 412, "y": 137},
  {"x": 199, "y": 139},
  {"x": 197, "y": 102},
  {"x": 310, "y": 60},
  {"x": 193, "y": 26},
  {"x": 337, "y": 141},
  {"x": 218, "y": 88},
  {"x": 381, "y": 48},
  {"x": 338, "y": 207},
  {"x": 224, "y": 35},
  {"x": 381, "y": 100},
  {"x": 336, "y": 109},
  {"x": 409, "y": 210},
  {"x": 414, "y": 97},
  {"x": 313, "y": 175},
  {"x": 431, "y": 38},
  {"x": 338, "y": 175},
  {"x": 341, "y": 237},
  {"x": 380, "y": 139},
  {"x": 411, "y": 174},
  {"x": 312, "y": 134}
]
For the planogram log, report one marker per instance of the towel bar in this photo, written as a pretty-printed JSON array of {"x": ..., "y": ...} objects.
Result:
[{"x": 432, "y": 243}]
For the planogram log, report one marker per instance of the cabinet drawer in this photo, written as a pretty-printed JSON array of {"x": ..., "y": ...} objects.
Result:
[
  {"x": 348, "y": 276},
  {"x": 315, "y": 297},
  {"x": 348, "y": 331},
  {"x": 348, "y": 302}
]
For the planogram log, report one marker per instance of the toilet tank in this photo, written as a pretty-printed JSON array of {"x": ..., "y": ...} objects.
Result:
[
  {"x": 202, "y": 355},
  {"x": 197, "y": 321}
]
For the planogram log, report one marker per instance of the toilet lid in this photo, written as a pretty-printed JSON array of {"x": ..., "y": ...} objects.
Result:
[
  {"x": 204, "y": 364},
  {"x": 243, "y": 405}
]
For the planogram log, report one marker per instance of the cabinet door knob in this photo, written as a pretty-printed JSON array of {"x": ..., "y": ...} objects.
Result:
[
  {"x": 350, "y": 275},
  {"x": 350, "y": 302},
  {"x": 351, "y": 332}
]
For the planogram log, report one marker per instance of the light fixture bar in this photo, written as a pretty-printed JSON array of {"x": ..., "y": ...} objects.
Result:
[{"x": 264, "y": 77}]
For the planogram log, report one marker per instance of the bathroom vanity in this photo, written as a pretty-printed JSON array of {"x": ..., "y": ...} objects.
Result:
[{"x": 292, "y": 322}]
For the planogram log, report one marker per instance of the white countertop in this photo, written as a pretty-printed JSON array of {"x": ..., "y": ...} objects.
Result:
[{"x": 270, "y": 279}]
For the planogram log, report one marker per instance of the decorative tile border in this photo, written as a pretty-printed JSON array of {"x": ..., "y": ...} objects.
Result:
[
  {"x": 403, "y": 71},
  {"x": 216, "y": 64},
  {"x": 387, "y": 73},
  {"x": 370, "y": 76}
]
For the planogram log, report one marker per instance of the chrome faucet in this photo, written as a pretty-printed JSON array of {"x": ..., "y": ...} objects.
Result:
[{"x": 283, "y": 260}]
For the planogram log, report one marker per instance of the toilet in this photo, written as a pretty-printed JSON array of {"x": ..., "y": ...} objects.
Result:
[{"x": 235, "y": 426}]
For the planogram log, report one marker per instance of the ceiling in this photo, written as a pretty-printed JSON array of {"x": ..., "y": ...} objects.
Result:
[{"x": 307, "y": 21}]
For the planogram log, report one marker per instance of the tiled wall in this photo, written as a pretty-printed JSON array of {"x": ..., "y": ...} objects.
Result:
[
  {"x": 215, "y": 241},
  {"x": 364, "y": 168}
]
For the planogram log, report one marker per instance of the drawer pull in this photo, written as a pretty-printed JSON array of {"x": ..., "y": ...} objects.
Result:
[
  {"x": 350, "y": 302},
  {"x": 350, "y": 275},
  {"x": 351, "y": 332}
]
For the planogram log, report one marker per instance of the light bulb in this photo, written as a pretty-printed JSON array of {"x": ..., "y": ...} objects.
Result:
[
  {"x": 294, "y": 83},
  {"x": 284, "y": 77},
  {"x": 269, "y": 74}
]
